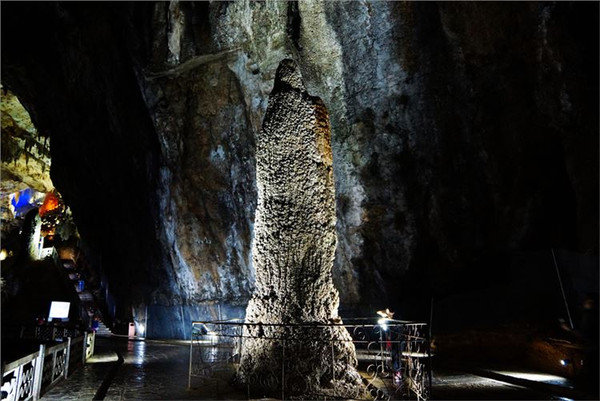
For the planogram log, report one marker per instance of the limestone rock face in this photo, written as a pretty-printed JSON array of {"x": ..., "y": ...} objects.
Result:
[
  {"x": 294, "y": 248},
  {"x": 25, "y": 153},
  {"x": 461, "y": 132}
]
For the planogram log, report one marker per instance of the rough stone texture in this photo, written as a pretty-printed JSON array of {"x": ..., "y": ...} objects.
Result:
[
  {"x": 294, "y": 248},
  {"x": 25, "y": 162},
  {"x": 206, "y": 183},
  {"x": 25, "y": 153},
  {"x": 461, "y": 133}
]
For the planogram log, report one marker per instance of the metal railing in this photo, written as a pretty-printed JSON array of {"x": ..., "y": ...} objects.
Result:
[
  {"x": 30, "y": 377},
  {"x": 393, "y": 356},
  {"x": 51, "y": 332},
  {"x": 42, "y": 332}
]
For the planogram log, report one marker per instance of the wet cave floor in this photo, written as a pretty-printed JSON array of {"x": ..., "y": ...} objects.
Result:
[{"x": 158, "y": 370}]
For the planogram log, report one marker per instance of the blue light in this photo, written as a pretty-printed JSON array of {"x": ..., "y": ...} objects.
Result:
[{"x": 22, "y": 201}]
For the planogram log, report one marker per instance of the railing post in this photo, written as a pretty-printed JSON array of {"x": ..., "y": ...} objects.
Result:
[
  {"x": 67, "y": 356},
  {"x": 190, "y": 366},
  {"x": 381, "y": 355},
  {"x": 429, "y": 367},
  {"x": 84, "y": 347},
  {"x": 283, "y": 371},
  {"x": 39, "y": 370},
  {"x": 332, "y": 365},
  {"x": 93, "y": 344}
]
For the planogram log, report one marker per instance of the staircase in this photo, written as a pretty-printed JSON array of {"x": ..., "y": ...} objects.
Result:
[
  {"x": 87, "y": 299},
  {"x": 103, "y": 331}
]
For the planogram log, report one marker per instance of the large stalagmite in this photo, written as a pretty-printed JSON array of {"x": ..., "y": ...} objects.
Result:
[{"x": 293, "y": 252}]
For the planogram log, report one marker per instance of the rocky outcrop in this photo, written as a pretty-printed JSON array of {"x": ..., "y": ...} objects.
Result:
[
  {"x": 294, "y": 249},
  {"x": 25, "y": 153},
  {"x": 461, "y": 132}
]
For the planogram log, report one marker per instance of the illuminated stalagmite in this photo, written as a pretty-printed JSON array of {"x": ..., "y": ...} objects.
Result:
[{"x": 293, "y": 252}]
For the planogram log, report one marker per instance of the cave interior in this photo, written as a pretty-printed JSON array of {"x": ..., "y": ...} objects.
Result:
[{"x": 464, "y": 138}]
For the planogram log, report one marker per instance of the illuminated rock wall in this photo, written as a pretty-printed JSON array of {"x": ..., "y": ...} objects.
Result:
[
  {"x": 25, "y": 154},
  {"x": 294, "y": 248},
  {"x": 461, "y": 132}
]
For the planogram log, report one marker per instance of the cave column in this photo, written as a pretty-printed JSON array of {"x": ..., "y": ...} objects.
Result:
[{"x": 293, "y": 252}]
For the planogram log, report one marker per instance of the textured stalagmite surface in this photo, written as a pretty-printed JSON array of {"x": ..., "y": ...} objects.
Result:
[{"x": 294, "y": 248}]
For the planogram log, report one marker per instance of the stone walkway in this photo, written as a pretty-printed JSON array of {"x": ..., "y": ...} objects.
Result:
[
  {"x": 151, "y": 370},
  {"x": 85, "y": 382},
  {"x": 155, "y": 370},
  {"x": 458, "y": 385}
]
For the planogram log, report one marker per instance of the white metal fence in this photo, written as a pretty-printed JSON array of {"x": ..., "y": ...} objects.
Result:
[{"x": 30, "y": 377}]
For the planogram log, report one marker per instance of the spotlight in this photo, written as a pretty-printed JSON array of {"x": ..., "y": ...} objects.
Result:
[
  {"x": 565, "y": 362},
  {"x": 387, "y": 313}
]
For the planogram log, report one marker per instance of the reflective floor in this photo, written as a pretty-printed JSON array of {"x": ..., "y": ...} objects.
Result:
[
  {"x": 150, "y": 370},
  {"x": 85, "y": 382},
  {"x": 456, "y": 385},
  {"x": 153, "y": 370}
]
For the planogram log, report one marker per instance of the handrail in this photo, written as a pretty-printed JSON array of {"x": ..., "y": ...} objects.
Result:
[
  {"x": 31, "y": 376},
  {"x": 21, "y": 361}
]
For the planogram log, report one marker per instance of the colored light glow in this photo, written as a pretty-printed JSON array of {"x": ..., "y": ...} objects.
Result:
[
  {"x": 3, "y": 254},
  {"x": 23, "y": 201},
  {"x": 51, "y": 203},
  {"x": 22, "y": 198}
]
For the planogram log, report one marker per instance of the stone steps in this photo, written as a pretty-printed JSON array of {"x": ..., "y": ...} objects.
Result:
[{"x": 86, "y": 297}]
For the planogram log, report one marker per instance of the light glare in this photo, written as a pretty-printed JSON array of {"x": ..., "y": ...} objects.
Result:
[
  {"x": 539, "y": 377},
  {"x": 141, "y": 329}
]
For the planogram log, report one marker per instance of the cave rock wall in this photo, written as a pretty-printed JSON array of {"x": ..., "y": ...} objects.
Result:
[{"x": 460, "y": 132}]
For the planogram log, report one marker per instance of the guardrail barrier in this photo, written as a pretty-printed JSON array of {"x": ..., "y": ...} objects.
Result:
[
  {"x": 393, "y": 356},
  {"x": 31, "y": 376}
]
